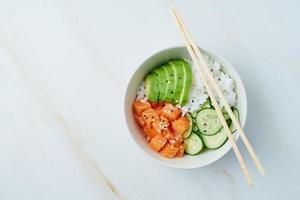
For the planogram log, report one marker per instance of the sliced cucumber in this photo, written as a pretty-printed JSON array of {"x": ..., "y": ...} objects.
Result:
[
  {"x": 194, "y": 120},
  {"x": 195, "y": 127},
  {"x": 224, "y": 110},
  {"x": 208, "y": 121},
  {"x": 193, "y": 144},
  {"x": 226, "y": 116},
  {"x": 237, "y": 115},
  {"x": 215, "y": 141},
  {"x": 197, "y": 133},
  {"x": 207, "y": 104},
  {"x": 194, "y": 114},
  {"x": 189, "y": 131}
]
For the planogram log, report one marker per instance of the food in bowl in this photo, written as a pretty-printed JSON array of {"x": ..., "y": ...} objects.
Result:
[{"x": 175, "y": 113}]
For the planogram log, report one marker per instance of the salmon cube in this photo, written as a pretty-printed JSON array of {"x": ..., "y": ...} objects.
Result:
[
  {"x": 169, "y": 151},
  {"x": 171, "y": 112},
  {"x": 180, "y": 125},
  {"x": 158, "y": 142},
  {"x": 164, "y": 121},
  {"x": 162, "y": 124},
  {"x": 158, "y": 110},
  {"x": 155, "y": 104},
  {"x": 140, "y": 106},
  {"x": 176, "y": 140},
  {"x": 168, "y": 134},
  {"x": 139, "y": 120},
  {"x": 180, "y": 152},
  {"x": 150, "y": 131},
  {"x": 150, "y": 116}
]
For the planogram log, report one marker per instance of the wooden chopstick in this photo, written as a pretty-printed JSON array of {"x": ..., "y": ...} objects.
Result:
[
  {"x": 214, "y": 101},
  {"x": 220, "y": 94}
]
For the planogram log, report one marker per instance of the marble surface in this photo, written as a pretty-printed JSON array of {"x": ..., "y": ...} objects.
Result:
[{"x": 64, "y": 66}]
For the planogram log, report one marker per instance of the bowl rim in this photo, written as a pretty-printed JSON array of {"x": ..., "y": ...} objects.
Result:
[{"x": 236, "y": 135}]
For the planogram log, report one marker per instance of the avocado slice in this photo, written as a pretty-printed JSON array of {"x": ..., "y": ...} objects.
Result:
[
  {"x": 179, "y": 77},
  {"x": 152, "y": 87},
  {"x": 162, "y": 79},
  {"x": 187, "y": 83},
  {"x": 170, "y": 83}
]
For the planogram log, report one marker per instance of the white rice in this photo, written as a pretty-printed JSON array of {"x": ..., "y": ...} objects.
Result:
[
  {"x": 198, "y": 94},
  {"x": 141, "y": 93}
]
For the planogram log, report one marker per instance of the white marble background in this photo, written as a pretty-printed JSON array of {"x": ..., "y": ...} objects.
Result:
[{"x": 64, "y": 66}]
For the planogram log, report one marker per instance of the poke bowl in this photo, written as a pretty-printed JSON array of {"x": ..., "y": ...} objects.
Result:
[{"x": 169, "y": 114}]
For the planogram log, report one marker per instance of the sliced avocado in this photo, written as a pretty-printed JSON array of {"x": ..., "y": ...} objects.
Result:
[
  {"x": 179, "y": 76},
  {"x": 187, "y": 83},
  {"x": 175, "y": 81},
  {"x": 162, "y": 78},
  {"x": 171, "y": 83},
  {"x": 152, "y": 87}
]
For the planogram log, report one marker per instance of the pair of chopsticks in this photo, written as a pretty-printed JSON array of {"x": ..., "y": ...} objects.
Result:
[{"x": 201, "y": 64}]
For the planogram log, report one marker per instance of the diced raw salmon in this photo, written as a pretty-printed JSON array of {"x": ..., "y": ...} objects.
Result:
[
  {"x": 161, "y": 125},
  {"x": 169, "y": 151},
  {"x": 150, "y": 116},
  {"x": 168, "y": 134},
  {"x": 140, "y": 106},
  {"x": 158, "y": 142},
  {"x": 139, "y": 120},
  {"x": 180, "y": 152},
  {"x": 171, "y": 112},
  {"x": 180, "y": 125},
  {"x": 150, "y": 131},
  {"x": 159, "y": 109},
  {"x": 177, "y": 139},
  {"x": 155, "y": 104},
  {"x": 164, "y": 121}
]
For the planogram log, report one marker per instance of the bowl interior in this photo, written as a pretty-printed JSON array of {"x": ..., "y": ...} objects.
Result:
[{"x": 186, "y": 162}]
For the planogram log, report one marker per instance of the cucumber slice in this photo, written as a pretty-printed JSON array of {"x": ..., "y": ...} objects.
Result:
[
  {"x": 215, "y": 141},
  {"x": 189, "y": 131},
  {"x": 194, "y": 114},
  {"x": 193, "y": 144},
  {"x": 226, "y": 116},
  {"x": 218, "y": 140},
  {"x": 208, "y": 121},
  {"x": 237, "y": 115},
  {"x": 194, "y": 120},
  {"x": 207, "y": 104},
  {"x": 195, "y": 127}
]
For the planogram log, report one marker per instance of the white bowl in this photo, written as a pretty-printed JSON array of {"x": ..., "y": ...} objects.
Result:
[{"x": 185, "y": 162}]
